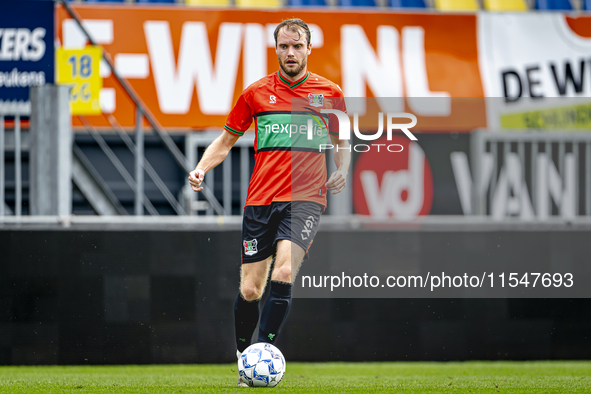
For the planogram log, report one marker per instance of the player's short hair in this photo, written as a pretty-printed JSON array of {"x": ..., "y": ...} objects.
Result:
[{"x": 294, "y": 24}]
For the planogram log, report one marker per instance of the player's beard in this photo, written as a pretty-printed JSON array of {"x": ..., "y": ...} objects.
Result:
[{"x": 295, "y": 71}]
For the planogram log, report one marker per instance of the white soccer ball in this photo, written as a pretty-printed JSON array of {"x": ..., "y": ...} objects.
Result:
[{"x": 261, "y": 365}]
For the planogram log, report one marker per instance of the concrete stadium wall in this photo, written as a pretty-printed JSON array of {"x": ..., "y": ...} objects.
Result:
[{"x": 108, "y": 297}]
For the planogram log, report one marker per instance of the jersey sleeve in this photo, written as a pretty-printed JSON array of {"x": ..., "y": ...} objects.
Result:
[
  {"x": 240, "y": 118},
  {"x": 338, "y": 102}
]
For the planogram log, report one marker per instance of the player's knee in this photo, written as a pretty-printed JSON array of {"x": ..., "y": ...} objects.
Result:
[
  {"x": 283, "y": 273},
  {"x": 250, "y": 291}
]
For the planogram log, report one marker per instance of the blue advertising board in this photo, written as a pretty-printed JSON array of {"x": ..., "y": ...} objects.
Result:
[{"x": 26, "y": 47}]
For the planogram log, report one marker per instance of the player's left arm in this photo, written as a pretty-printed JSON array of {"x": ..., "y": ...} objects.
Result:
[
  {"x": 341, "y": 149},
  {"x": 342, "y": 158}
]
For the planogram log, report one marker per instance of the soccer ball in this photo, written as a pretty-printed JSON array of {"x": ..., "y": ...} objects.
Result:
[{"x": 261, "y": 365}]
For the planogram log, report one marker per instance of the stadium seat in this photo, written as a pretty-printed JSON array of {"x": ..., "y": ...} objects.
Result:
[
  {"x": 587, "y": 5},
  {"x": 505, "y": 5},
  {"x": 214, "y": 3},
  {"x": 457, "y": 5},
  {"x": 357, "y": 3},
  {"x": 407, "y": 3},
  {"x": 155, "y": 1},
  {"x": 259, "y": 3},
  {"x": 554, "y": 5},
  {"x": 306, "y": 3}
]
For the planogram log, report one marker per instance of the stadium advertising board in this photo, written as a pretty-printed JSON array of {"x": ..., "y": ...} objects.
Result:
[
  {"x": 419, "y": 180},
  {"x": 79, "y": 68},
  {"x": 190, "y": 65},
  {"x": 527, "y": 58},
  {"x": 26, "y": 48},
  {"x": 512, "y": 175},
  {"x": 492, "y": 70}
]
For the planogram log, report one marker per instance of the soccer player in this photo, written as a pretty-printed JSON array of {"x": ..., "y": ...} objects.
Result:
[{"x": 287, "y": 190}]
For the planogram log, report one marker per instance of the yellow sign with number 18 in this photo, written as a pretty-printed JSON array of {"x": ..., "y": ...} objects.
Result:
[{"x": 79, "y": 68}]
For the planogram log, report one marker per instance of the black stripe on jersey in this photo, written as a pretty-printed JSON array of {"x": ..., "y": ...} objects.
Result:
[
  {"x": 298, "y": 83},
  {"x": 292, "y": 149},
  {"x": 289, "y": 113}
]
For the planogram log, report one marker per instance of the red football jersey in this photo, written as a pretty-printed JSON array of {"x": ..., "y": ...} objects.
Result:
[{"x": 289, "y": 131}]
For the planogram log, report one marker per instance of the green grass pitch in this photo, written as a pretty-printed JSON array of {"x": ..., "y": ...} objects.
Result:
[{"x": 390, "y": 377}]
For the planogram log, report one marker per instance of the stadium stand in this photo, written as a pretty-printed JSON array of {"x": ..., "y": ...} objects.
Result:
[
  {"x": 505, "y": 5},
  {"x": 554, "y": 5},
  {"x": 357, "y": 3},
  {"x": 407, "y": 4},
  {"x": 307, "y": 3},
  {"x": 259, "y": 3},
  {"x": 457, "y": 5},
  {"x": 214, "y": 3}
]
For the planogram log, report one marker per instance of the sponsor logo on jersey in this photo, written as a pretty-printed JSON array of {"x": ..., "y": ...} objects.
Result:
[
  {"x": 272, "y": 99},
  {"x": 250, "y": 247},
  {"x": 316, "y": 100},
  {"x": 290, "y": 128}
]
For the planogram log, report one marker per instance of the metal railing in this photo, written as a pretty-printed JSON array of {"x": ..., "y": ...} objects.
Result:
[
  {"x": 195, "y": 141},
  {"x": 16, "y": 110},
  {"x": 141, "y": 164}
]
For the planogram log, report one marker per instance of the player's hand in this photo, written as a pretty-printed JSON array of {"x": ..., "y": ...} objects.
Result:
[
  {"x": 195, "y": 179},
  {"x": 337, "y": 182}
]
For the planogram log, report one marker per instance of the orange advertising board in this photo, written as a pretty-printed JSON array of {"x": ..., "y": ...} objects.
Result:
[{"x": 190, "y": 65}]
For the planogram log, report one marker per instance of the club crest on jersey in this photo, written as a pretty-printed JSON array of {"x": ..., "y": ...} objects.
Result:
[
  {"x": 316, "y": 100},
  {"x": 250, "y": 247},
  {"x": 272, "y": 99}
]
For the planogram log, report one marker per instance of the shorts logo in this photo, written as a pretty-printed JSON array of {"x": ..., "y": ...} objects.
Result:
[
  {"x": 316, "y": 100},
  {"x": 308, "y": 229},
  {"x": 250, "y": 247}
]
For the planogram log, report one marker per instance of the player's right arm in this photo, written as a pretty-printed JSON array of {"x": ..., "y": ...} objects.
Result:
[
  {"x": 213, "y": 156},
  {"x": 239, "y": 120}
]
